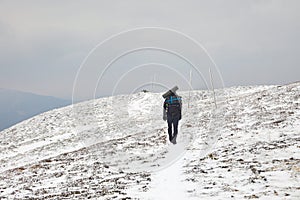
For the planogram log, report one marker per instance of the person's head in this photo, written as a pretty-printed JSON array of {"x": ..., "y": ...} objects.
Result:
[{"x": 173, "y": 94}]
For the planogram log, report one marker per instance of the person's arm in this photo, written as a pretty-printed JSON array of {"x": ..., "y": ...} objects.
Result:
[
  {"x": 164, "y": 111},
  {"x": 164, "y": 115}
]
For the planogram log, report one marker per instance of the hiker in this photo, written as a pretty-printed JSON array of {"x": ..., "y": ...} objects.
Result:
[{"x": 172, "y": 113}]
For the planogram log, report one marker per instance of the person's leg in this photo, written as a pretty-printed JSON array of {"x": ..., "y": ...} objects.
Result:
[
  {"x": 175, "y": 125},
  {"x": 170, "y": 128}
]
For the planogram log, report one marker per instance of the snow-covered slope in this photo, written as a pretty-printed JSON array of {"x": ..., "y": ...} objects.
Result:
[{"x": 117, "y": 148}]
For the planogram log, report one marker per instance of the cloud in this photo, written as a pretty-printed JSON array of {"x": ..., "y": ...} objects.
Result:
[{"x": 43, "y": 43}]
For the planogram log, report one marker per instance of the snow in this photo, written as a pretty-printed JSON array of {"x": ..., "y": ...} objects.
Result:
[
  {"x": 167, "y": 184},
  {"x": 117, "y": 148}
]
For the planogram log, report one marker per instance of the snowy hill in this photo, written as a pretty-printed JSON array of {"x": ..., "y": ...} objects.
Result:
[{"x": 116, "y": 148}]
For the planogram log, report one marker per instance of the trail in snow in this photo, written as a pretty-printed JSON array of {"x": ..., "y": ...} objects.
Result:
[{"x": 167, "y": 183}]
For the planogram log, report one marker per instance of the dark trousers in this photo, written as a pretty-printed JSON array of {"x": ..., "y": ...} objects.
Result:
[{"x": 172, "y": 121}]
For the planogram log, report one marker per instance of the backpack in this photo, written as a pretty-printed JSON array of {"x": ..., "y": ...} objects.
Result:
[{"x": 173, "y": 105}]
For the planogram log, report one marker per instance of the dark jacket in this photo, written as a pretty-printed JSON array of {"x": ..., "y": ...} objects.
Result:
[{"x": 172, "y": 107}]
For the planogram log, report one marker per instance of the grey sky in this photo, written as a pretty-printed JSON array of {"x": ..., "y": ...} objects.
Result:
[{"x": 42, "y": 43}]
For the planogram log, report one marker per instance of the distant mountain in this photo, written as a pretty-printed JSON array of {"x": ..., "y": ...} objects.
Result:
[{"x": 16, "y": 106}]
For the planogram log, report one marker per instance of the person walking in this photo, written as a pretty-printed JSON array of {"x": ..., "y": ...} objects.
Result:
[{"x": 172, "y": 114}]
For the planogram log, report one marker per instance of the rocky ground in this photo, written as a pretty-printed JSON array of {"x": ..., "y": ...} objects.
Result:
[
  {"x": 257, "y": 154},
  {"x": 116, "y": 148}
]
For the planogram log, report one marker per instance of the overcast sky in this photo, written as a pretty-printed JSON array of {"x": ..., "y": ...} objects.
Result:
[{"x": 42, "y": 43}]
